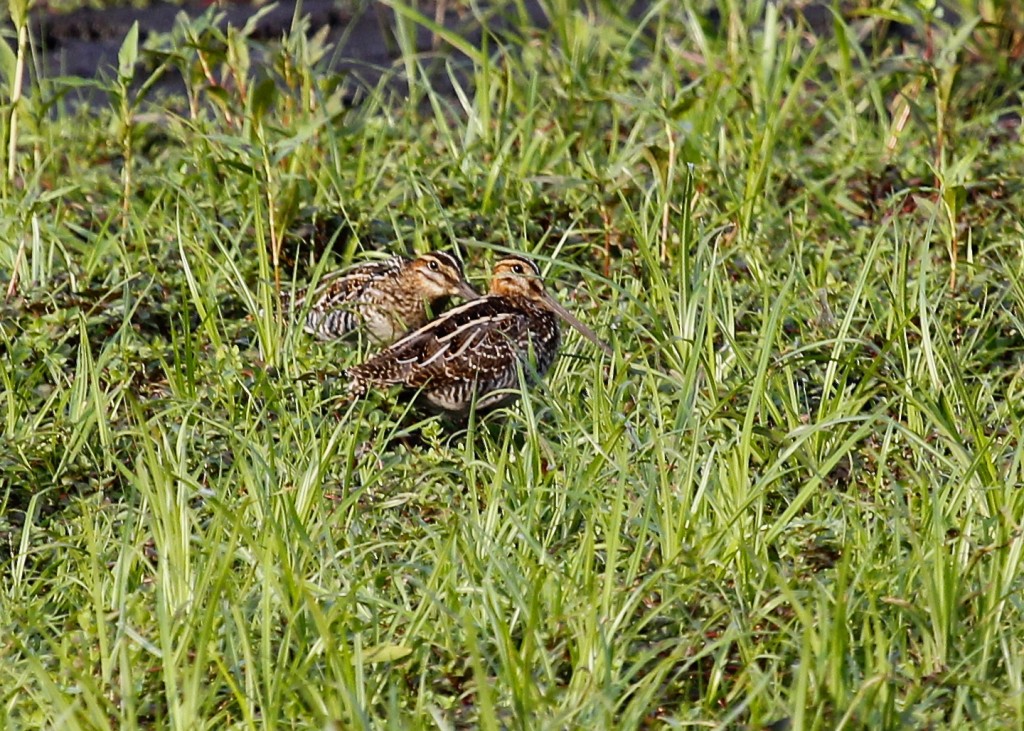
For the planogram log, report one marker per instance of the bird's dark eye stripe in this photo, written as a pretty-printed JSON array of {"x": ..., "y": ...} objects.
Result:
[{"x": 440, "y": 259}]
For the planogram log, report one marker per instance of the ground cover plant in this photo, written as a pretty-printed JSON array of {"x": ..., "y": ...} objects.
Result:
[{"x": 792, "y": 499}]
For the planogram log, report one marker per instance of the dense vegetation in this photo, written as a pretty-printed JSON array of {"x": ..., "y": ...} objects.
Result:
[{"x": 791, "y": 500}]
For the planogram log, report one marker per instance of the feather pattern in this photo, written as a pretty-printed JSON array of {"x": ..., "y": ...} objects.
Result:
[
  {"x": 387, "y": 298},
  {"x": 475, "y": 352}
]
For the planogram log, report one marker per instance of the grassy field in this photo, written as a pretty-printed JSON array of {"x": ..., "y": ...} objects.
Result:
[{"x": 792, "y": 500}]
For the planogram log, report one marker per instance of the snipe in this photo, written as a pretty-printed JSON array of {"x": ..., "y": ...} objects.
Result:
[
  {"x": 388, "y": 298},
  {"x": 475, "y": 351}
]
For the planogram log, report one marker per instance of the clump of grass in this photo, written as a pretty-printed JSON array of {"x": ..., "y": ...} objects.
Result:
[{"x": 790, "y": 497}]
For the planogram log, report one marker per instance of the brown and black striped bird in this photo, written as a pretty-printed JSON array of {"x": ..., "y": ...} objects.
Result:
[
  {"x": 475, "y": 351},
  {"x": 387, "y": 298}
]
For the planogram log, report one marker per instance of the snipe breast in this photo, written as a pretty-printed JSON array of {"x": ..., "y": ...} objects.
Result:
[
  {"x": 388, "y": 298},
  {"x": 475, "y": 351}
]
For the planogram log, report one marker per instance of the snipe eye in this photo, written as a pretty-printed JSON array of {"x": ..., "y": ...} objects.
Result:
[
  {"x": 517, "y": 269},
  {"x": 433, "y": 265}
]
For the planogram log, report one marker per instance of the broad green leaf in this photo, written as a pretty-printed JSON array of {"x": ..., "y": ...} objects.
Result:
[
  {"x": 386, "y": 653},
  {"x": 19, "y": 12},
  {"x": 129, "y": 52},
  {"x": 263, "y": 97},
  {"x": 8, "y": 65},
  {"x": 954, "y": 196}
]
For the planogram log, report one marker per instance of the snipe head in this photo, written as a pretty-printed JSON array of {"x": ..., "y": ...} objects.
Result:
[
  {"x": 516, "y": 277},
  {"x": 437, "y": 275}
]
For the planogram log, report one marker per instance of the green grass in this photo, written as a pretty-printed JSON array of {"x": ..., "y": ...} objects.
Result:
[{"x": 793, "y": 495}]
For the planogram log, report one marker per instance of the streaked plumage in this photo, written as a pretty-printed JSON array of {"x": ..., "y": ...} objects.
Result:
[
  {"x": 388, "y": 298},
  {"x": 476, "y": 349}
]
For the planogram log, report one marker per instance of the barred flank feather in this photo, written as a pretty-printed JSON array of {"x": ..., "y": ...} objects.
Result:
[{"x": 387, "y": 298}]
